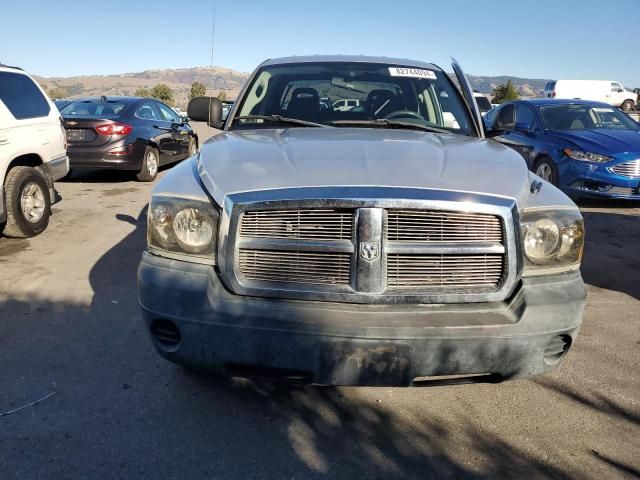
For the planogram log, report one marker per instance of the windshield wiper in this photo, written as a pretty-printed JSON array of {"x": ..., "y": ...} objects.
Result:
[
  {"x": 386, "y": 123},
  {"x": 281, "y": 119}
]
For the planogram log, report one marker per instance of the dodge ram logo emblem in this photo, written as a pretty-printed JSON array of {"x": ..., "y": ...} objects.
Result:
[{"x": 369, "y": 251}]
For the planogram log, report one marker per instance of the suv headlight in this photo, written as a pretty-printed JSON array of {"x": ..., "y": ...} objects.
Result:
[
  {"x": 552, "y": 241},
  {"x": 182, "y": 228}
]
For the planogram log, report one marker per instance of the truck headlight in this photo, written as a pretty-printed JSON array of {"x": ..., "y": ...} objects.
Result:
[
  {"x": 586, "y": 156},
  {"x": 182, "y": 228},
  {"x": 552, "y": 240}
]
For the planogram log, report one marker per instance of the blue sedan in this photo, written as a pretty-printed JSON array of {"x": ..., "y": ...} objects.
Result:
[{"x": 585, "y": 148}]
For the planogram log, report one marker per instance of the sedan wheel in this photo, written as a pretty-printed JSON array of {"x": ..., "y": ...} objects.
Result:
[
  {"x": 546, "y": 171},
  {"x": 150, "y": 165}
]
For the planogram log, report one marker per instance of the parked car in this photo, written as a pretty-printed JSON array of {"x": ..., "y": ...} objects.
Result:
[
  {"x": 126, "y": 133},
  {"x": 606, "y": 91},
  {"x": 484, "y": 105},
  {"x": 346, "y": 104},
  {"x": 32, "y": 154},
  {"x": 227, "y": 105},
  {"x": 377, "y": 248},
  {"x": 585, "y": 148},
  {"x": 181, "y": 113}
]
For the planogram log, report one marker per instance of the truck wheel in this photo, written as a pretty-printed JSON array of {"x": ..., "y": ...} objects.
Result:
[
  {"x": 627, "y": 105},
  {"x": 28, "y": 203},
  {"x": 150, "y": 164},
  {"x": 546, "y": 170}
]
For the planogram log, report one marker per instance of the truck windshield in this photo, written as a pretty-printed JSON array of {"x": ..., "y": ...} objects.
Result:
[
  {"x": 581, "y": 117},
  {"x": 353, "y": 94}
]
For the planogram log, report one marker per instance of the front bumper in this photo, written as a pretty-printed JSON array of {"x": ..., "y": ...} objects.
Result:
[
  {"x": 351, "y": 344},
  {"x": 598, "y": 181}
]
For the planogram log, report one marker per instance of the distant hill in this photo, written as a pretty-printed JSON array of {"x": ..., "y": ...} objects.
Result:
[
  {"x": 527, "y": 87},
  {"x": 222, "y": 79},
  {"x": 179, "y": 80}
]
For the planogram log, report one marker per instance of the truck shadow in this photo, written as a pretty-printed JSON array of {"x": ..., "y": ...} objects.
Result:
[
  {"x": 122, "y": 411},
  {"x": 264, "y": 429}
]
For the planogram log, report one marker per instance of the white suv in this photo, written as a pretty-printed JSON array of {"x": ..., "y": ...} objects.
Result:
[{"x": 33, "y": 148}]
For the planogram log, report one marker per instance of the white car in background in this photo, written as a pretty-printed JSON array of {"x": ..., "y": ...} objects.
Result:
[
  {"x": 607, "y": 91},
  {"x": 33, "y": 146},
  {"x": 484, "y": 105},
  {"x": 346, "y": 104}
]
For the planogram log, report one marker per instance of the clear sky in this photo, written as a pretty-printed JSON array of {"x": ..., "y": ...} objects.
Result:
[{"x": 537, "y": 39}]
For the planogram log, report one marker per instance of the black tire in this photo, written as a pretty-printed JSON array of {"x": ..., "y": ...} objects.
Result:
[
  {"x": 148, "y": 173},
  {"x": 627, "y": 105},
  {"x": 546, "y": 170},
  {"x": 20, "y": 224}
]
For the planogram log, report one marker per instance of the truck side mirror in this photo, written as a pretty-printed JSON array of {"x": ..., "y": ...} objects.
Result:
[{"x": 206, "y": 109}]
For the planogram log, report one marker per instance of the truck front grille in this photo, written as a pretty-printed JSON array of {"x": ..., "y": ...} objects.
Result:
[
  {"x": 441, "y": 226},
  {"x": 627, "y": 169},
  {"x": 320, "y": 268},
  {"x": 371, "y": 249},
  {"x": 298, "y": 224},
  {"x": 457, "y": 271}
]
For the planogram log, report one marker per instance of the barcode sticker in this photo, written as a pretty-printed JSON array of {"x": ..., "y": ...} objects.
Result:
[{"x": 412, "y": 72}]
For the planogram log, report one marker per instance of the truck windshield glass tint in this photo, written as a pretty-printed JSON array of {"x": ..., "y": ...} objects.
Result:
[{"x": 330, "y": 92}]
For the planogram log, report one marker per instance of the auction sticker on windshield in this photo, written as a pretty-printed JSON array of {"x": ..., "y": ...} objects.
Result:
[{"x": 412, "y": 72}]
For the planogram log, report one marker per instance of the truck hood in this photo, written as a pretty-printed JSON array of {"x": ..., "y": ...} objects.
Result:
[
  {"x": 606, "y": 142},
  {"x": 241, "y": 161}
]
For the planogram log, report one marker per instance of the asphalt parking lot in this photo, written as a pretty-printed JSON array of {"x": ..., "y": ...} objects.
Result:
[{"x": 70, "y": 328}]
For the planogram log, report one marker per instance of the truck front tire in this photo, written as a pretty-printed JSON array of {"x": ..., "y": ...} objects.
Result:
[{"x": 28, "y": 203}]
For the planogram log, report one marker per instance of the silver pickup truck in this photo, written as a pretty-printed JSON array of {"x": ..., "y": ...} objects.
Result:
[{"x": 388, "y": 245}]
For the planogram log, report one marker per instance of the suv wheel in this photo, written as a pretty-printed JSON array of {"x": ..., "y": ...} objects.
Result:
[
  {"x": 627, "y": 105},
  {"x": 546, "y": 170},
  {"x": 150, "y": 164},
  {"x": 28, "y": 203}
]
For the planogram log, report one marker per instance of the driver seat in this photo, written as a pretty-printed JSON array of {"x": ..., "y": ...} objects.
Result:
[{"x": 304, "y": 104}]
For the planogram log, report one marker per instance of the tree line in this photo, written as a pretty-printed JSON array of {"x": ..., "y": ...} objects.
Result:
[
  {"x": 164, "y": 93},
  {"x": 160, "y": 91}
]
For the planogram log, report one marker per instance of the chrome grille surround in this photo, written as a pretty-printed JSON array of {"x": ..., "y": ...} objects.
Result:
[
  {"x": 627, "y": 169},
  {"x": 369, "y": 279}
]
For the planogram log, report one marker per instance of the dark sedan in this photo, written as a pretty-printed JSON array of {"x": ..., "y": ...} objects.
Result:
[
  {"x": 585, "y": 148},
  {"x": 126, "y": 133}
]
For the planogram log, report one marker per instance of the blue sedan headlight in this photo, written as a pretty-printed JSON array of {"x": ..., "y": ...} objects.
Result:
[{"x": 586, "y": 156}]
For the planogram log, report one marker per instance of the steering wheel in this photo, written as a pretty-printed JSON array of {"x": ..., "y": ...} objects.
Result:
[{"x": 404, "y": 114}]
